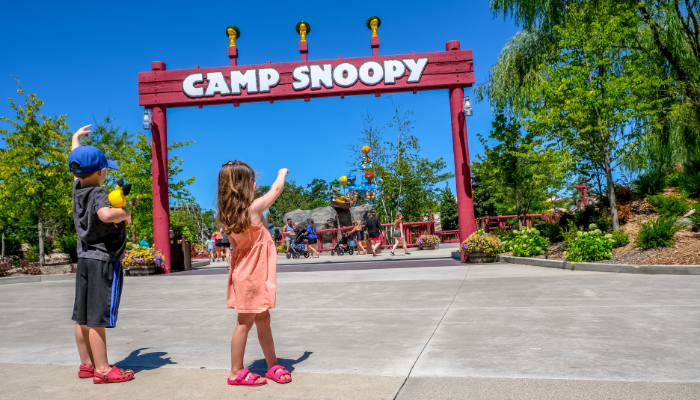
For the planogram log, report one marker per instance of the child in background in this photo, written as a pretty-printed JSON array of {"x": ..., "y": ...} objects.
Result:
[
  {"x": 210, "y": 247},
  {"x": 252, "y": 279},
  {"x": 101, "y": 233}
]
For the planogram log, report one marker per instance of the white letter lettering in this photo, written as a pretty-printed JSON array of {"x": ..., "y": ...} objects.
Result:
[
  {"x": 301, "y": 77},
  {"x": 393, "y": 70},
  {"x": 217, "y": 83},
  {"x": 321, "y": 76},
  {"x": 377, "y": 73},
  {"x": 240, "y": 81},
  {"x": 416, "y": 67},
  {"x": 188, "y": 85},
  {"x": 269, "y": 77},
  {"x": 339, "y": 74}
]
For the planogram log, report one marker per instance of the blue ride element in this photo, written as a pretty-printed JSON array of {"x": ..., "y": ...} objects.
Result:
[{"x": 351, "y": 179}]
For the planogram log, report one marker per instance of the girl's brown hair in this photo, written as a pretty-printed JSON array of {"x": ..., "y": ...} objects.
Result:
[
  {"x": 234, "y": 196},
  {"x": 397, "y": 222}
]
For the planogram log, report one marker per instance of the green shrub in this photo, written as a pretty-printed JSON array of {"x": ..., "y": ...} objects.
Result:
[
  {"x": 129, "y": 246},
  {"x": 552, "y": 232},
  {"x": 695, "y": 219},
  {"x": 69, "y": 245},
  {"x": 32, "y": 255},
  {"x": 673, "y": 179},
  {"x": 587, "y": 216},
  {"x": 620, "y": 239},
  {"x": 657, "y": 233},
  {"x": 526, "y": 242},
  {"x": 503, "y": 234},
  {"x": 650, "y": 183},
  {"x": 689, "y": 181},
  {"x": 592, "y": 245},
  {"x": 669, "y": 206}
]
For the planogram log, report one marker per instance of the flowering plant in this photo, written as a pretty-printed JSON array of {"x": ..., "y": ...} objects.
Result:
[
  {"x": 143, "y": 256},
  {"x": 428, "y": 240},
  {"x": 526, "y": 242},
  {"x": 593, "y": 245},
  {"x": 481, "y": 241}
]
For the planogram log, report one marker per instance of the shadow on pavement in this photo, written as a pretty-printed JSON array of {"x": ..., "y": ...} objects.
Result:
[
  {"x": 146, "y": 361},
  {"x": 261, "y": 365}
]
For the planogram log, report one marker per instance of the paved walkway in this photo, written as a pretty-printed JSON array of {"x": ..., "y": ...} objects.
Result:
[{"x": 426, "y": 329}]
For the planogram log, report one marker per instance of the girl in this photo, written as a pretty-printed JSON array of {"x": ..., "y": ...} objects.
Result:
[
  {"x": 398, "y": 234},
  {"x": 219, "y": 245},
  {"x": 210, "y": 247},
  {"x": 359, "y": 236},
  {"x": 252, "y": 278}
]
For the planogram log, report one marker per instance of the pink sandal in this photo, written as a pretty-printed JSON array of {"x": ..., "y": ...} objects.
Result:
[
  {"x": 85, "y": 372},
  {"x": 276, "y": 371},
  {"x": 243, "y": 379}
]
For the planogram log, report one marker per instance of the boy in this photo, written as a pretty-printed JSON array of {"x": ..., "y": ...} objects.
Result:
[{"x": 101, "y": 243}]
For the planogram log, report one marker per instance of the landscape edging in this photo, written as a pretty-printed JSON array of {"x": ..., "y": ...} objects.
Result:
[
  {"x": 36, "y": 278},
  {"x": 597, "y": 267}
]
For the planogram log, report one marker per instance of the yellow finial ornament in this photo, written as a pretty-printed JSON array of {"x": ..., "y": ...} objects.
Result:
[
  {"x": 365, "y": 149},
  {"x": 373, "y": 23},
  {"x": 233, "y": 33},
  {"x": 303, "y": 29}
]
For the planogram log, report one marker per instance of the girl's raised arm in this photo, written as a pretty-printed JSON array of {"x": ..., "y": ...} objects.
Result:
[{"x": 264, "y": 202}]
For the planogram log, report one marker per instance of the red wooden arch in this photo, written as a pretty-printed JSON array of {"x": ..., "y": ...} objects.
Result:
[{"x": 160, "y": 89}]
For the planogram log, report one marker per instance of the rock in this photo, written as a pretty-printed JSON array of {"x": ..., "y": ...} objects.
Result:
[
  {"x": 345, "y": 218},
  {"x": 361, "y": 213},
  {"x": 324, "y": 218},
  {"x": 300, "y": 216},
  {"x": 685, "y": 221}
]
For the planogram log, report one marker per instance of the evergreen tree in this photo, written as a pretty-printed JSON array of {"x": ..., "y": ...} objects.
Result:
[{"x": 448, "y": 210}]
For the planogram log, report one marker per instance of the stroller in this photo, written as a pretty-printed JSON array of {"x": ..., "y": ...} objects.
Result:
[
  {"x": 298, "y": 248},
  {"x": 342, "y": 246}
]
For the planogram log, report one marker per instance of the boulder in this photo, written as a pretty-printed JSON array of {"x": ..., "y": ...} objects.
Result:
[
  {"x": 300, "y": 216},
  {"x": 324, "y": 218},
  {"x": 361, "y": 213}
]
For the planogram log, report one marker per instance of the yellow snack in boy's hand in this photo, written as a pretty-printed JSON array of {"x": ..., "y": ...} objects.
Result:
[{"x": 117, "y": 198}]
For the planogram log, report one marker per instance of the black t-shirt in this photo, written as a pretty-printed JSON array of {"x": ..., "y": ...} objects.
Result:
[
  {"x": 373, "y": 227},
  {"x": 224, "y": 240},
  {"x": 96, "y": 239}
]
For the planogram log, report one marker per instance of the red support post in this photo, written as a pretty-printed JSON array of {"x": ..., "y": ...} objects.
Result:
[
  {"x": 304, "y": 50},
  {"x": 374, "y": 42},
  {"x": 233, "y": 55},
  {"x": 465, "y": 202},
  {"x": 161, "y": 206}
]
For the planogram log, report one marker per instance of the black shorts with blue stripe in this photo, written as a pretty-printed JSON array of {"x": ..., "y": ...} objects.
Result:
[{"x": 98, "y": 289}]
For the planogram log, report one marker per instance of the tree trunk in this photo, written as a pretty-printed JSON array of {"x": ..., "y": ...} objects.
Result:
[
  {"x": 611, "y": 192},
  {"x": 3, "y": 245},
  {"x": 41, "y": 237}
]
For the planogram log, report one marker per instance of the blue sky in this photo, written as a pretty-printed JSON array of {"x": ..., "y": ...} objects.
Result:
[{"x": 82, "y": 59}]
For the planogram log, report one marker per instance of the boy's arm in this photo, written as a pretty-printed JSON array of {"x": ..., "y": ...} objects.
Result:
[
  {"x": 264, "y": 202},
  {"x": 78, "y": 136},
  {"x": 109, "y": 214}
]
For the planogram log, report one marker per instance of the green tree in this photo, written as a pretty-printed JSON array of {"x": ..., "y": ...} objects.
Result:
[
  {"x": 523, "y": 170},
  {"x": 597, "y": 100},
  {"x": 407, "y": 179},
  {"x": 448, "y": 210},
  {"x": 33, "y": 166}
]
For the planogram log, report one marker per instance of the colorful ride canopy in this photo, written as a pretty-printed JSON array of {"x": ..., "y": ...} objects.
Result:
[{"x": 306, "y": 79}]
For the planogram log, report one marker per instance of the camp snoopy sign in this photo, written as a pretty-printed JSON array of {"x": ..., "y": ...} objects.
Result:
[
  {"x": 314, "y": 76},
  {"x": 306, "y": 80}
]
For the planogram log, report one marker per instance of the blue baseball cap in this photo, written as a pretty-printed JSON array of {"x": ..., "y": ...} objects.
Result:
[{"x": 88, "y": 159}]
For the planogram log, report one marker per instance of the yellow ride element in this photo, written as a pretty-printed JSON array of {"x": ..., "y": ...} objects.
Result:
[{"x": 365, "y": 149}]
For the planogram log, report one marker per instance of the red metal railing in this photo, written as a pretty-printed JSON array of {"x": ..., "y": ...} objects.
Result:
[
  {"x": 489, "y": 223},
  {"x": 412, "y": 230}
]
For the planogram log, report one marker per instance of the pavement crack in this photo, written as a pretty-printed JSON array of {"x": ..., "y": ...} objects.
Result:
[{"x": 431, "y": 335}]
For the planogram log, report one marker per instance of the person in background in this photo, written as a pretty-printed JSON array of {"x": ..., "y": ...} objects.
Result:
[
  {"x": 210, "y": 247},
  {"x": 219, "y": 246},
  {"x": 288, "y": 234},
  {"x": 358, "y": 236},
  {"x": 311, "y": 235},
  {"x": 374, "y": 230},
  {"x": 143, "y": 242},
  {"x": 399, "y": 238},
  {"x": 226, "y": 244}
]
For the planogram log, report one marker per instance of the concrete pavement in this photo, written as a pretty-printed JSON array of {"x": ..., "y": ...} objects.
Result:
[{"x": 442, "y": 330}]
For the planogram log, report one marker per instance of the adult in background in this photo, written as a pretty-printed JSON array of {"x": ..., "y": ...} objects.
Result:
[
  {"x": 219, "y": 245},
  {"x": 398, "y": 234},
  {"x": 143, "y": 242},
  {"x": 226, "y": 244},
  {"x": 311, "y": 236},
  {"x": 374, "y": 231},
  {"x": 288, "y": 234},
  {"x": 358, "y": 236}
]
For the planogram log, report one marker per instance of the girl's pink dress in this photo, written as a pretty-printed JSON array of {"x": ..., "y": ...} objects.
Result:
[{"x": 252, "y": 280}]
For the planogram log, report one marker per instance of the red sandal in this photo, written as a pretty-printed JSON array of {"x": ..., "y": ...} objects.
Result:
[
  {"x": 115, "y": 375},
  {"x": 85, "y": 372},
  {"x": 276, "y": 371},
  {"x": 243, "y": 379}
]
